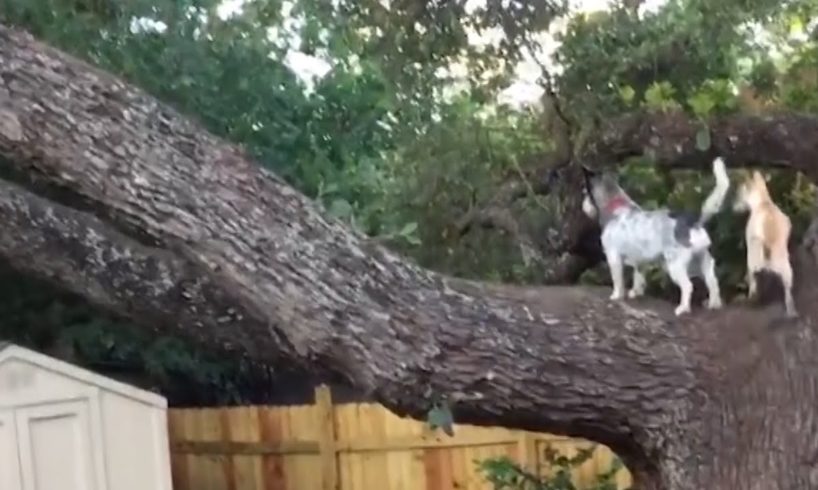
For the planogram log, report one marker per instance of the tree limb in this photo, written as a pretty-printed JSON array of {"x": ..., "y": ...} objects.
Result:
[
  {"x": 79, "y": 252},
  {"x": 784, "y": 140}
]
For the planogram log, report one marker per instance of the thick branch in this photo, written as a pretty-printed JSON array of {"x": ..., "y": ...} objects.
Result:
[
  {"x": 502, "y": 218},
  {"x": 567, "y": 249},
  {"x": 537, "y": 179},
  {"x": 778, "y": 140},
  {"x": 85, "y": 256}
]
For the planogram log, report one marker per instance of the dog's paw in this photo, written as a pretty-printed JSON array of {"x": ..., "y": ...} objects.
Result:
[
  {"x": 635, "y": 293},
  {"x": 616, "y": 296},
  {"x": 791, "y": 314},
  {"x": 714, "y": 303},
  {"x": 681, "y": 310}
]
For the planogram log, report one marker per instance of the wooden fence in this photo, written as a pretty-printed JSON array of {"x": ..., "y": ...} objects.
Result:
[{"x": 348, "y": 447}]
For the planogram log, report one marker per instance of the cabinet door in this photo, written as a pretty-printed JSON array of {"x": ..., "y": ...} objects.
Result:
[
  {"x": 9, "y": 460},
  {"x": 56, "y": 446}
]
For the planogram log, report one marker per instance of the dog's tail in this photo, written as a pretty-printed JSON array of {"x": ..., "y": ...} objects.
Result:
[{"x": 713, "y": 203}]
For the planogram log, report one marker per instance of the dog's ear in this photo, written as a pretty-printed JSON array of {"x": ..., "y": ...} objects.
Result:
[
  {"x": 588, "y": 178},
  {"x": 588, "y": 173}
]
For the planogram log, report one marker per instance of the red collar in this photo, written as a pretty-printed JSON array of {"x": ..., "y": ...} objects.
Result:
[{"x": 616, "y": 203}]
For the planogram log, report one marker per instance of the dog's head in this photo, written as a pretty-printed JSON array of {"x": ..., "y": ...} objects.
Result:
[
  {"x": 600, "y": 188},
  {"x": 751, "y": 191}
]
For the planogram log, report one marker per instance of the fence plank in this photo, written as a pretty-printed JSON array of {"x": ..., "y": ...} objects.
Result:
[
  {"x": 527, "y": 456},
  {"x": 228, "y": 466},
  {"x": 245, "y": 428},
  {"x": 326, "y": 442},
  {"x": 209, "y": 474},
  {"x": 349, "y": 447},
  {"x": 179, "y": 462},
  {"x": 300, "y": 422},
  {"x": 272, "y": 464}
]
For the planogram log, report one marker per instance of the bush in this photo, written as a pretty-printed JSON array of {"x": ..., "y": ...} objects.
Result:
[{"x": 504, "y": 474}]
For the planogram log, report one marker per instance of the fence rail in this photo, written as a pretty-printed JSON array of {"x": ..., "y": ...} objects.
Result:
[{"x": 349, "y": 447}]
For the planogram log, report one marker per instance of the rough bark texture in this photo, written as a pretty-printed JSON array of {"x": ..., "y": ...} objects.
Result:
[
  {"x": 180, "y": 231},
  {"x": 784, "y": 140}
]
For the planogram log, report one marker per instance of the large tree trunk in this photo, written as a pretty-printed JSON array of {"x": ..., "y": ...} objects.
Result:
[{"x": 116, "y": 197}]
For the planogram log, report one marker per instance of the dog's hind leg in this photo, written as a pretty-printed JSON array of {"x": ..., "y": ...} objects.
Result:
[
  {"x": 638, "y": 287},
  {"x": 617, "y": 267},
  {"x": 708, "y": 270},
  {"x": 755, "y": 262},
  {"x": 677, "y": 269},
  {"x": 780, "y": 264}
]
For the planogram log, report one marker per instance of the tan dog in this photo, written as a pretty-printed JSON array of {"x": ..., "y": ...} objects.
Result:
[{"x": 767, "y": 234}]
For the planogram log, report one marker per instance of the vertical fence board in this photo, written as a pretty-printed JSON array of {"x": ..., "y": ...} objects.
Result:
[
  {"x": 243, "y": 426},
  {"x": 355, "y": 459},
  {"x": 325, "y": 421},
  {"x": 273, "y": 470},
  {"x": 227, "y": 461},
  {"x": 179, "y": 462}
]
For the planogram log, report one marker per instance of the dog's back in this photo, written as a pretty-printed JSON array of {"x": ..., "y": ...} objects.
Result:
[
  {"x": 770, "y": 225},
  {"x": 646, "y": 235}
]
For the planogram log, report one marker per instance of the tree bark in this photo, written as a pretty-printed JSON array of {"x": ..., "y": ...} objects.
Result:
[
  {"x": 784, "y": 139},
  {"x": 141, "y": 211}
]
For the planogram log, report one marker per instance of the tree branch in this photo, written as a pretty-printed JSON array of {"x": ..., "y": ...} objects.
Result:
[
  {"x": 773, "y": 140},
  {"x": 85, "y": 256}
]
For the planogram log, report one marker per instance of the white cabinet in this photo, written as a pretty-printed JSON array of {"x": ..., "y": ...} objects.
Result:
[
  {"x": 56, "y": 447},
  {"x": 64, "y": 428},
  {"x": 9, "y": 460}
]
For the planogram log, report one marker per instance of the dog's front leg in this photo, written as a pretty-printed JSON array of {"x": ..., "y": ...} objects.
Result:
[{"x": 616, "y": 266}]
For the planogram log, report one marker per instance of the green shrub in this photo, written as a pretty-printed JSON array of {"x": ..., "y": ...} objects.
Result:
[{"x": 504, "y": 474}]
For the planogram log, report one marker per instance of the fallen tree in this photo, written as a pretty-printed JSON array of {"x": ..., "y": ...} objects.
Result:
[{"x": 116, "y": 197}]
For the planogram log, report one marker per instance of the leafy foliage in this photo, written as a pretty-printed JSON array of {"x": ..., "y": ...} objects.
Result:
[
  {"x": 440, "y": 416},
  {"x": 504, "y": 474}
]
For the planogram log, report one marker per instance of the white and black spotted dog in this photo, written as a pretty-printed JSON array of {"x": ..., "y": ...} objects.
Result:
[{"x": 634, "y": 236}]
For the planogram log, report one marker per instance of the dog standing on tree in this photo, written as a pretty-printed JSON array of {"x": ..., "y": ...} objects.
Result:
[
  {"x": 767, "y": 235},
  {"x": 633, "y": 236}
]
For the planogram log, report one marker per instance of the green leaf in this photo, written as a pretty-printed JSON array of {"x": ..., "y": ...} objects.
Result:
[
  {"x": 408, "y": 229},
  {"x": 655, "y": 96},
  {"x": 340, "y": 208},
  {"x": 440, "y": 416},
  {"x": 703, "y": 139},
  {"x": 627, "y": 93},
  {"x": 702, "y": 104},
  {"x": 413, "y": 240}
]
